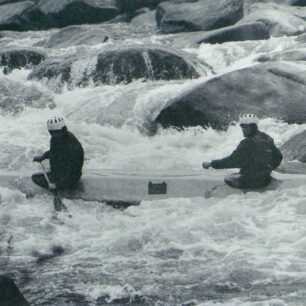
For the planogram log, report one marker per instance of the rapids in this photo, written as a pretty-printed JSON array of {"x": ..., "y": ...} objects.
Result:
[{"x": 242, "y": 250}]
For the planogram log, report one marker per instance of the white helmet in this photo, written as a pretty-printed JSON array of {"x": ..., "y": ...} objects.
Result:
[
  {"x": 55, "y": 123},
  {"x": 248, "y": 119}
]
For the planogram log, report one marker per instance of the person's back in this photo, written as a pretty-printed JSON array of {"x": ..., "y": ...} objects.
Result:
[
  {"x": 260, "y": 157},
  {"x": 66, "y": 159}
]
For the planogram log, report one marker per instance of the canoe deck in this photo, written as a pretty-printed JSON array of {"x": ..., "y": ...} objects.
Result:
[{"x": 122, "y": 188}]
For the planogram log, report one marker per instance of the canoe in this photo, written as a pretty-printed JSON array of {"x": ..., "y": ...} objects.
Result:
[{"x": 122, "y": 188}]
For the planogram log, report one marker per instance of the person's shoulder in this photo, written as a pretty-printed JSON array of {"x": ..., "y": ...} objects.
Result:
[{"x": 265, "y": 135}]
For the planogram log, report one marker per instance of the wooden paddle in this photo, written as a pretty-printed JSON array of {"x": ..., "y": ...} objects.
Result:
[{"x": 57, "y": 201}]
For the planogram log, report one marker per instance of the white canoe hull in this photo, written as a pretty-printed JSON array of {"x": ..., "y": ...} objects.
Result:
[{"x": 125, "y": 187}]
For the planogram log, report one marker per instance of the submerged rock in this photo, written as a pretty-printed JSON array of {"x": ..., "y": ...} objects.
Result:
[
  {"x": 10, "y": 294},
  {"x": 275, "y": 89},
  {"x": 13, "y": 59}
]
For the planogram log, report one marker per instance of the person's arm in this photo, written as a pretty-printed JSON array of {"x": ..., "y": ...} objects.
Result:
[
  {"x": 277, "y": 156},
  {"x": 236, "y": 160}
]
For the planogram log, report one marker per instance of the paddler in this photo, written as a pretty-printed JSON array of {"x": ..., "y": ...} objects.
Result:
[
  {"x": 66, "y": 157},
  {"x": 256, "y": 156}
]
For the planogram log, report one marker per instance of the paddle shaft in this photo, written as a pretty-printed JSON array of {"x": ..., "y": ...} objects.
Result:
[{"x": 58, "y": 204}]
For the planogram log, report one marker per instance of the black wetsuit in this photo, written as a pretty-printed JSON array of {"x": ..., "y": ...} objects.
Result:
[
  {"x": 66, "y": 158},
  {"x": 256, "y": 156}
]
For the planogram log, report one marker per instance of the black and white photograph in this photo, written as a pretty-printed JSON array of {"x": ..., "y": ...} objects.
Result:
[{"x": 153, "y": 152}]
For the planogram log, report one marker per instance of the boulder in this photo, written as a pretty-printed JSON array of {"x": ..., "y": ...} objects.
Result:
[
  {"x": 275, "y": 89},
  {"x": 118, "y": 66},
  {"x": 295, "y": 148},
  {"x": 250, "y": 31},
  {"x": 145, "y": 20},
  {"x": 13, "y": 59},
  {"x": 278, "y": 21},
  {"x": 134, "y": 5},
  {"x": 249, "y": 3},
  {"x": 288, "y": 55},
  {"x": 61, "y": 13},
  {"x": 142, "y": 63},
  {"x": 297, "y": 11},
  {"x": 203, "y": 15},
  {"x": 10, "y": 294},
  {"x": 10, "y": 15},
  {"x": 76, "y": 35}
]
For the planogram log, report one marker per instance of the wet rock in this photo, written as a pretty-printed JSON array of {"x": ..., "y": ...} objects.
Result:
[
  {"x": 10, "y": 294},
  {"x": 249, "y": 3},
  {"x": 275, "y": 89},
  {"x": 134, "y": 5},
  {"x": 251, "y": 31},
  {"x": 198, "y": 16},
  {"x": 279, "y": 21},
  {"x": 117, "y": 66},
  {"x": 10, "y": 15},
  {"x": 288, "y": 55},
  {"x": 143, "y": 63},
  {"x": 56, "y": 251},
  {"x": 295, "y": 148},
  {"x": 76, "y": 35},
  {"x": 13, "y": 59},
  {"x": 60, "y": 13}
]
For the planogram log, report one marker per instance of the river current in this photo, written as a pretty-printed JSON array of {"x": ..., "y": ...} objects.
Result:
[{"x": 241, "y": 250}]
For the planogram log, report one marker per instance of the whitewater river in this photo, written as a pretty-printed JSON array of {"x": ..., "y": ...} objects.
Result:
[{"x": 241, "y": 250}]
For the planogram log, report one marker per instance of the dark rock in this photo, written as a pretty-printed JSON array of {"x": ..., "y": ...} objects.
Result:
[
  {"x": 61, "y": 13},
  {"x": 251, "y": 31},
  {"x": 198, "y": 16},
  {"x": 298, "y": 2},
  {"x": 153, "y": 64},
  {"x": 119, "y": 66},
  {"x": 56, "y": 251},
  {"x": 274, "y": 89},
  {"x": 20, "y": 58},
  {"x": 10, "y": 15},
  {"x": 134, "y": 5},
  {"x": 69, "y": 12},
  {"x": 10, "y": 294}
]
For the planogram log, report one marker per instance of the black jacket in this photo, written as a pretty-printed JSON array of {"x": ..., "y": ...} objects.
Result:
[
  {"x": 256, "y": 155},
  {"x": 66, "y": 157}
]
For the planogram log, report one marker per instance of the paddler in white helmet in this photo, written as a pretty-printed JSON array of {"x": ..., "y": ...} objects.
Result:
[
  {"x": 256, "y": 156},
  {"x": 66, "y": 157}
]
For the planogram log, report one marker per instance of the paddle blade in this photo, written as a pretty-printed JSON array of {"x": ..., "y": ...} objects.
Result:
[{"x": 57, "y": 201}]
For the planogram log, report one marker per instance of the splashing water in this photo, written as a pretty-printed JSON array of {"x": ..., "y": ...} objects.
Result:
[{"x": 241, "y": 250}]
